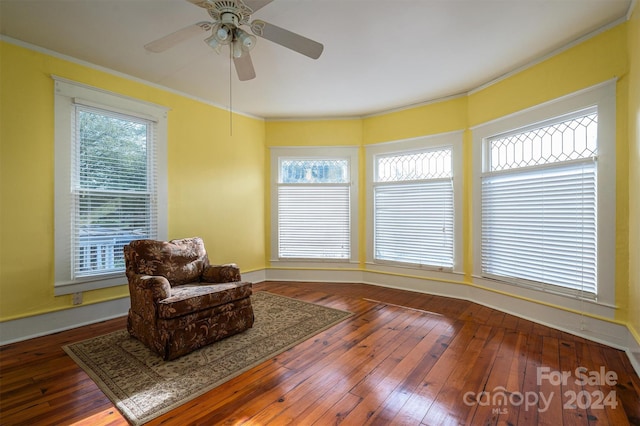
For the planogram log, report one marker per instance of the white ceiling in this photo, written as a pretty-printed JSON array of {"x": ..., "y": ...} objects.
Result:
[{"x": 378, "y": 55}]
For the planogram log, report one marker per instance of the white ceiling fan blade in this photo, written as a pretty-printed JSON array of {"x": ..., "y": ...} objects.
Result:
[
  {"x": 168, "y": 41},
  {"x": 244, "y": 67},
  {"x": 286, "y": 38},
  {"x": 201, "y": 3},
  {"x": 255, "y": 5}
]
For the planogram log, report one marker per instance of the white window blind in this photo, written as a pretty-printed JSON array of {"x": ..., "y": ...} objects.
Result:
[
  {"x": 314, "y": 221},
  {"x": 113, "y": 188},
  {"x": 413, "y": 208},
  {"x": 314, "y": 209},
  {"x": 539, "y": 207},
  {"x": 414, "y": 223}
]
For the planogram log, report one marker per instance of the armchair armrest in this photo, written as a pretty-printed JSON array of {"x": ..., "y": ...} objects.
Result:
[
  {"x": 150, "y": 287},
  {"x": 221, "y": 273}
]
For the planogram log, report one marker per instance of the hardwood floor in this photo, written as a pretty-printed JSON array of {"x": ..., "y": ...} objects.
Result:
[{"x": 412, "y": 359}]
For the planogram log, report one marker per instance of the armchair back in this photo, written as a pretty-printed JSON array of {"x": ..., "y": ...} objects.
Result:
[{"x": 179, "y": 261}]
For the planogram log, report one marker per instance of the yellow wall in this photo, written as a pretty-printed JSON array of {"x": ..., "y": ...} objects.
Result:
[
  {"x": 433, "y": 118},
  {"x": 346, "y": 132},
  {"x": 215, "y": 180},
  {"x": 634, "y": 172},
  {"x": 596, "y": 60}
]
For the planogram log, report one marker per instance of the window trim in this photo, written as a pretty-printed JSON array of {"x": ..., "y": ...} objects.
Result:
[
  {"x": 66, "y": 94},
  {"x": 349, "y": 153},
  {"x": 406, "y": 146},
  {"x": 602, "y": 96}
]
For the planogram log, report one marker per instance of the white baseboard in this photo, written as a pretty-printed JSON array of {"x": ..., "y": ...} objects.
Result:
[
  {"x": 255, "y": 276},
  {"x": 53, "y": 322},
  {"x": 602, "y": 331},
  {"x": 633, "y": 352}
]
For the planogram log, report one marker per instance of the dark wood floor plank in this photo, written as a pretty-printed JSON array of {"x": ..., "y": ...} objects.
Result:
[
  {"x": 468, "y": 373},
  {"x": 627, "y": 396},
  {"x": 381, "y": 382},
  {"x": 550, "y": 408},
  {"x": 604, "y": 414},
  {"x": 529, "y": 360},
  {"x": 405, "y": 378},
  {"x": 402, "y": 358},
  {"x": 573, "y": 411},
  {"x": 489, "y": 380},
  {"x": 328, "y": 411},
  {"x": 423, "y": 398},
  {"x": 516, "y": 379}
]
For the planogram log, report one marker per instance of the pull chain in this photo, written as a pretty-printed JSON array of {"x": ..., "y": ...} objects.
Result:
[{"x": 230, "y": 91}]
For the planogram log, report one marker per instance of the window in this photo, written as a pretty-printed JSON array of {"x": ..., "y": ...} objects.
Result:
[
  {"x": 413, "y": 207},
  {"x": 112, "y": 187},
  {"x": 539, "y": 204},
  {"x": 314, "y": 204},
  {"x": 546, "y": 197},
  {"x": 415, "y": 194},
  {"x": 107, "y": 184}
]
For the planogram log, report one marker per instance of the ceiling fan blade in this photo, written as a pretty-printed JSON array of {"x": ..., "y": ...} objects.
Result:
[
  {"x": 286, "y": 38},
  {"x": 254, "y": 5},
  {"x": 201, "y": 3},
  {"x": 244, "y": 67},
  {"x": 168, "y": 41}
]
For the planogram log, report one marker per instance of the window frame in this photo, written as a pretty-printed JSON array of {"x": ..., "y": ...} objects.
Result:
[
  {"x": 314, "y": 153},
  {"x": 452, "y": 140},
  {"x": 602, "y": 97},
  {"x": 68, "y": 94}
]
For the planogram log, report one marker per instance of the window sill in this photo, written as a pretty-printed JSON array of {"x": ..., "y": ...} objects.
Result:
[
  {"x": 588, "y": 304},
  {"x": 314, "y": 263},
  {"x": 421, "y": 271},
  {"x": 70, "y": 287}
]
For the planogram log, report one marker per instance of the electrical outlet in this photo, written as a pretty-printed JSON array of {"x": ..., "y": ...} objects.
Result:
[{"x": 77, "y": 298}]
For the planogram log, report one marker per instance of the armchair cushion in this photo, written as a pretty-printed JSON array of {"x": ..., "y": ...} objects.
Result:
[
  {"x": 190, "y": 298},
  {"x": 179, "y": 261}
]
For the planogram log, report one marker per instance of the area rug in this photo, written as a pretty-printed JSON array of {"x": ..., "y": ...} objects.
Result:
[{"x": 143, "y": 386}]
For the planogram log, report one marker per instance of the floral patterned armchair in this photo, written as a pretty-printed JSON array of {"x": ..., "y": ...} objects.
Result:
[{"x": 179, "y": 302}]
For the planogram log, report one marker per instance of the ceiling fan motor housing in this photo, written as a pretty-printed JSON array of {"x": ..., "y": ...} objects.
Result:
[{"x": 229, "y": 12}]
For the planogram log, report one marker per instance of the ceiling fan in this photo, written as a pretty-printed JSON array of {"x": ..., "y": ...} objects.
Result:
[{"x": 228, "y": 18}]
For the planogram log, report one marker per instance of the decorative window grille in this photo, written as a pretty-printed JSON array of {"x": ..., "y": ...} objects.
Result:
[
  {"x": 539, "y": 205},
  {"x": 434, "y": 164},
  {"x": 314, "y": 209},
  {"x": 413, "y": 208},
  {"x": 113, "y": 188},
  {"x": 573, "y": 139}
]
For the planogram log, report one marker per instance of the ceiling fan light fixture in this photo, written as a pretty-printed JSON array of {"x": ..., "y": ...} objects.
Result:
[
  {"x": 212, "y": 42},
  {"x": 222, "y": 34},
  {"x": 247, "y": 41},
  {"x": 237, "y": 50}
]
